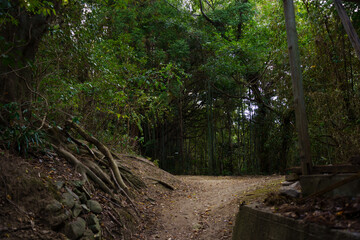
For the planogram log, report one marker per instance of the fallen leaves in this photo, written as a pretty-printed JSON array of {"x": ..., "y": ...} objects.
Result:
[{"x": 340, "y": 212}]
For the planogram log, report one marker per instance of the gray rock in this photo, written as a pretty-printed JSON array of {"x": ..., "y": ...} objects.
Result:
[
  {"x": 296, "y": 185},
  {"x": 53, "y": 207},
  {"x": 72, "y": 193},
  {"x": 286, "y": 183},
  {"x": 93, "y": 223},
  {"x": 82, "y": 196},
  {"x": 59, "y": 184},
  {"x": 95, "y": 228},
  {"x": 77, "y": 183},
  {"x": 92, "y": 219},
  {"x": 59, "y": 219},
  {"x": 75, "y": 229},
  {"x": 290, "y": 192},
  {"x": 293, "y": 190},
  {"x": 77, "y": 209},
  {"x": 83, "y": 206},
  {"x": 68, "y": 200},
  {"x": 94, "y": 206},
  {"x": 88, "y": 235}
]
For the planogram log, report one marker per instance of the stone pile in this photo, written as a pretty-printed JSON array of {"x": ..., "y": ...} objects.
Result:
[{"x": 75, "y": 214}]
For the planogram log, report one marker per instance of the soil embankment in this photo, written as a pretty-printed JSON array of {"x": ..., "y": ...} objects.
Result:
[{"x": 167, "y": 207}]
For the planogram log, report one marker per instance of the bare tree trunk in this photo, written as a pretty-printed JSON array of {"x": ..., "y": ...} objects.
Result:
[
  {"x": 349, "y": 28},
  {"x": 299, "y": 102},
  {"x": 181, "y": 137},
  {"x": 286, "y": 135},
  {"x": 210, "y": 139}
]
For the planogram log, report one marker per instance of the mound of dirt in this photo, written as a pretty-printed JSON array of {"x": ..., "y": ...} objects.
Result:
[
  {"x": 24, "y": 193},
  {"x": 149, "y": 172},
  {"x": 29, "y": 186}
]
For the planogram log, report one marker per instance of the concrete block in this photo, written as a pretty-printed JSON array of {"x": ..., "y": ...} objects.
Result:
[
  {"x": 260, "y": 224},
  {"x": 314, "y": 183}
]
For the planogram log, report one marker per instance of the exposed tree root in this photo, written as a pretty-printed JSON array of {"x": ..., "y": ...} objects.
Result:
[
  {"x": 79, "y": 143},
  {"x": 74, "y": 161},
  {"x": 115, "y": 219},
  {"x": 162, "y": 183},
  {"x": 103, "y": 149},
  {"x": 126, "y": 195},
  {"x": 118, "y": 156},
  {"x": 99, "y": 172},
  {"x": 132, "y": 179},
  {"x": 91, "y": 161}
]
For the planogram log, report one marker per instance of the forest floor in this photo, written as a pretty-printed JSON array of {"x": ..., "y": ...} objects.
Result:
[
  {"x": 205, "y": 207},
  {"x": 170, "y": 207}
]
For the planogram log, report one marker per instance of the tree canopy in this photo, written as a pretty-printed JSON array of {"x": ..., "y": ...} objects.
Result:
[{"x": 198, "y": 86}]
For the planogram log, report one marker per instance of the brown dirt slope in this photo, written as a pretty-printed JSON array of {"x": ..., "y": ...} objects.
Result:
[
  {"x": 169, "y": 207},
  {"x": 24, "y": 193},
  {"x": 27, "y": 186}
]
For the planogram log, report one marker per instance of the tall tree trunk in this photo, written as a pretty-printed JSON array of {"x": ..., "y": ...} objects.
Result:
[
  {"x": 230, "y": 148},
  {"x": 349, "y": 28},
  {"x": 243, "y": 145},
  {"x": 286, "y": 135},
  {"x": 261, "y": 136},
  {"x": 238, "y": 140},
  {"x": 163, "y": 148},
  {"x": 181, "y": 137},
  {"x": 297, "y": 85},
  {"x": 210, "y": 138}
]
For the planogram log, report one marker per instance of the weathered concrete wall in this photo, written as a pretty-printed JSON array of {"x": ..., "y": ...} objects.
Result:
[
  {"x": 257, "y": 224},
  {"x": 314, "y": 183}
]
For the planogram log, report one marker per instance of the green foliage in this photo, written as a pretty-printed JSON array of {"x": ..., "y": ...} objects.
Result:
[
  {"x": 39, "y": 7},
  {"x": 20, "y": 136},
  {"x": 156, "y": 162},
  {"x": 158, "y": 78}
]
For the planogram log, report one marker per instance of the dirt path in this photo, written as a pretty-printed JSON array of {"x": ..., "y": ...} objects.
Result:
[{"x": 205, "y": 207}]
